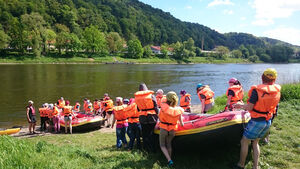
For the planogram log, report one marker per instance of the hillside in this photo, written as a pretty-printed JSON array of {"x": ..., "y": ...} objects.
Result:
[{"x": 127, "y": 17}]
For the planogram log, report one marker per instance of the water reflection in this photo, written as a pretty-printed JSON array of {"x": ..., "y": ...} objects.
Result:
[{"x": 47, "y": 83}]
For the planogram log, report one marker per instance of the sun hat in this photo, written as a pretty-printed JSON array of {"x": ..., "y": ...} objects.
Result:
[
  {"x": 232, "y": 80},
  {"x": 30, "y": 102},
  {"x": 159, "y": 91}
]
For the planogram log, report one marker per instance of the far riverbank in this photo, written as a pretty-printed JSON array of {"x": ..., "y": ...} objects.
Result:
[{"x": 115, "y": 60}]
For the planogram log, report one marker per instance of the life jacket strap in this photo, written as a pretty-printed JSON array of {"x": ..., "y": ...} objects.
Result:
[
  {"x": 133, "y": 117},
  {"x": 148, "y": 109},
  {"x": 167, "y": 123},
  {"x": 260, "y": 112}
]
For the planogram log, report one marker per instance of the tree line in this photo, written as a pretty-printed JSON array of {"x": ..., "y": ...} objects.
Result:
[{"x": 108, "y": 27}]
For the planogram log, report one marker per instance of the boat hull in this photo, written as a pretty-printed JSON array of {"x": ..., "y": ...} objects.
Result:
[
  {"x": 223, "y": 127},
  {"x": 9, "y": 131},
  {"x": 84, "y": 122}
]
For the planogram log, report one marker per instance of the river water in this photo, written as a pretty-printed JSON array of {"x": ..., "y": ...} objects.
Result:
[{"x": 48, "y": 82}]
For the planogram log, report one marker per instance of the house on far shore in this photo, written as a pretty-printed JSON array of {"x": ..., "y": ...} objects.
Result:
[{"x": 156, "y": 50}]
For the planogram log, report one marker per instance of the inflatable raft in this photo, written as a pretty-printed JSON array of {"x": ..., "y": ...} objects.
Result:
[
  {"x": 84, "y": 121},
  {"x": 226, "y": 126},
  {"x": 9, "y": 131}
]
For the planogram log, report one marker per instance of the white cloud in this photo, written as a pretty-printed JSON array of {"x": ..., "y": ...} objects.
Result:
[
  {"x": 287, "y": 34},
  {"x": 220, "y": 2},
  {"x": 228, "y": 12},
  {"x": 268, "y": 10},
  {"x": 188, "y": 7}
]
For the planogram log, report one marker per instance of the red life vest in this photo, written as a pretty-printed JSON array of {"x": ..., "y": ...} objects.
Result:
[
  {"x": 61, "y": 103},
  {"x": 144, "y": 101},
  {"x": 208, "y": 93},
  {"x": 268, "y": 99},
  {"x": 160, "y": 99},
  {"x": 109, "y": 105},
  {"x": 238, "y": 94},
  {"x": 120, "y": 114},
  {"x": 169, "y": 117},
  {"x": 132, "y": 113},
  {"x": 67, "y": 110},
  {"x": 43, "y": 112},
  {"x": 183, "y": 104}
]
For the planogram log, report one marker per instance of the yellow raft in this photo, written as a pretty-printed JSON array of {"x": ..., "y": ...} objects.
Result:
[{"x": 9, "y": 131}]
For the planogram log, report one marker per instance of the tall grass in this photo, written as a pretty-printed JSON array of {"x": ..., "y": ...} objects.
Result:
[{"x": 290, "y": 91}]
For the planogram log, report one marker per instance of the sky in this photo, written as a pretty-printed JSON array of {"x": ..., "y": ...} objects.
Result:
[{"x": 278, "y": 19}]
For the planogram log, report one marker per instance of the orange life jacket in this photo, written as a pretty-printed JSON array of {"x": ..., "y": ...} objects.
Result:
[
  {"x": 109, "y": 105},
  {"x": 55, "y": 111},
  {"x": 169, "y": 117},
  {"x": 144, "y": 102},
  {"x": 49, "y": 112},
  {"x": 160, "y": 99},
  {"x": 77, "y": 107},
  {"x": 89, "y": 108},
  {"x": 132, "y": 113},
  {"x": 67, "y": 110},
  {"x": 43, "y": 112},
  {"x": 208, "y": 93},
  {"x": 120, "y": 114},
  {"x": 85, "y": 105},
  {"x": 238, "y": 93},
  {"x": 61, "y": 103},
  {"x": 96, "y": 105},
  {"x": 268, "y": 99},
  {"x": 183, "y": 104}
]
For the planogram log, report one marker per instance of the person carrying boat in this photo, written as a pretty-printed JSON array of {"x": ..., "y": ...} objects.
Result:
[
  {"x": 55, "y": 118},
  {"x": 89, "y": 107},
  {"x": 31, "y": 117},
  {"x": 262, "y": 103},
  {"x": 206, "y": 96},
  {"x": 68, "y": 113},
  {"x": 134, "y": 128},
  {"x": 49, "y": 112},
  {"x": 234, "y": 93},
  {"x": 43, "y": 116},
  {"x": 160, "y": 97},
  {"x": 96, "y": 106},
  {"x": 119, "y": 115},
  {"x": 148, "y": 109},
  {"x": 185, "y": 101},
  {"x": 61, "y": 103},
  {"x": 169, "y": 116},
  {"x": 108, "y": 108},
  {"x": 77, "y": 107}
]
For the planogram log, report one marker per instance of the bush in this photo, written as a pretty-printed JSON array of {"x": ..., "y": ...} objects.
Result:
[
  {"x": 253, "y": 58},
  {"x": 290, "y": 91},
  {"x": 265, "y": 58}
]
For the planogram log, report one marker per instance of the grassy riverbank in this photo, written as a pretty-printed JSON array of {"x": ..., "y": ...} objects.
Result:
[
  {"x": 97, "y": 149},
  {"x": 113, "y": 59}
]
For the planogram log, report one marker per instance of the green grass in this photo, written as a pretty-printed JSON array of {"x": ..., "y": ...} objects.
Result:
[
  {"x": 83, "y": 58},
  {"x": 97, "y": 150}
]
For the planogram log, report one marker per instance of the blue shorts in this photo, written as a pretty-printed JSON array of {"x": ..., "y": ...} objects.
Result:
[{"x": 257, "y": 129}]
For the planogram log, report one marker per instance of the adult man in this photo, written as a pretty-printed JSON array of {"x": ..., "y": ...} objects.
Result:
[
  {"x": 147, "y": 106},
  {"x": 262, "y": 103}
]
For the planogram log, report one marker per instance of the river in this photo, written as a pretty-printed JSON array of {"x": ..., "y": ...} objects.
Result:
[{"x": 48, "y": 82}]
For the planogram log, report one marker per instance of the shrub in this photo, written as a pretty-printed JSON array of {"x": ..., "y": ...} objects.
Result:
[{"x": 290, "y": 91}]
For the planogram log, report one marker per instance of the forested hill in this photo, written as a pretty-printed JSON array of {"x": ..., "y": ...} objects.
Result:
[{"x": 127, "y": 17}]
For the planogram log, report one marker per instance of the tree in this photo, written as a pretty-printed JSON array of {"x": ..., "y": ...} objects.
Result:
[
  {"x": 280, "y": 53},
  {"x": 198, "y": 51},
  {"x": 164, "y": 50},
  {"x": 189, "y": 45},
  {"x": 135, "y": 49},
  {"x": 179, "y": 51},
  {"x": 265, "y": 58},
  {"x": 94, "y": 40},
  {"x": 34, "y": 24},
  {"x": 253, "y": 58},
  {"x": 236, "y": 53},
  {"x": 4, "y": 39},
  {"x": 115, "y": 42},
  {"x": 74, "y": 44},
  {"x": 245, "y": 52},
  {"x": 147, "y": 52},
  {"x": 48, "y": 37},
  {"x": 222, "y": 50}
]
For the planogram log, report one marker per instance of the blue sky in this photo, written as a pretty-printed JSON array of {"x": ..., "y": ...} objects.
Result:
[{"x": 279, "y": 19}]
